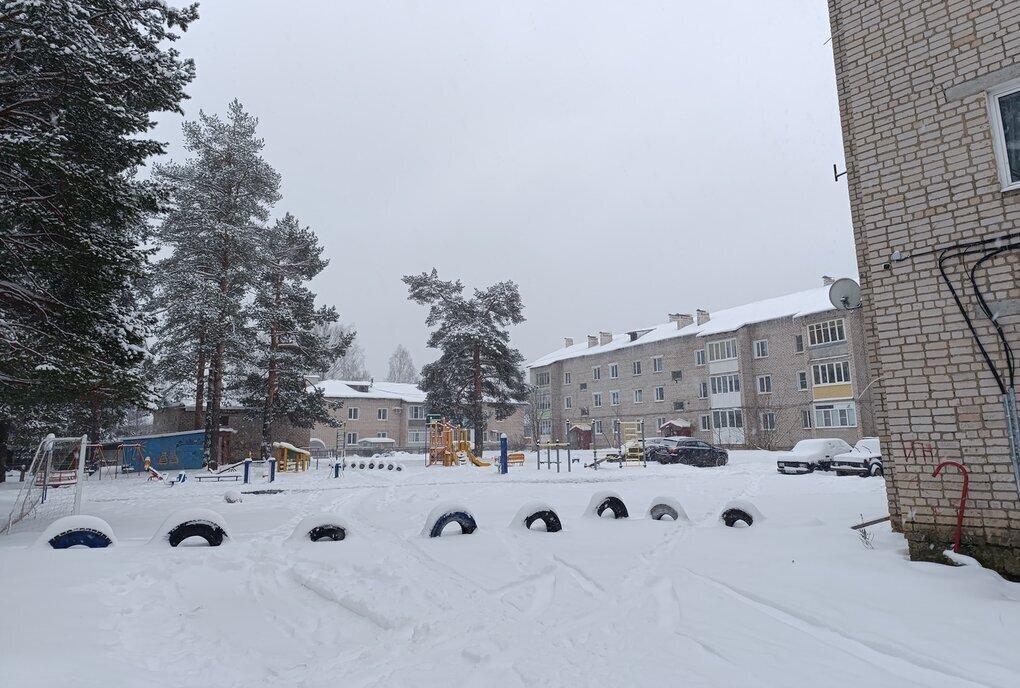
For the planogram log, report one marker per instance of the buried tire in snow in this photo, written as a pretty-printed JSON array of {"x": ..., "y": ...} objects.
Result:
[
  {"x": 77, "y": 531},
  {"x": 84, "y": 537},
  {"x": 532, "y": 512},
  {"x": 442, "y": 516},
  {"x": 603, "y": 501},
  {"x": 333, "y": 533},
  {"x": 740, "y": 511},
  {"x": 207, "y": 530}
]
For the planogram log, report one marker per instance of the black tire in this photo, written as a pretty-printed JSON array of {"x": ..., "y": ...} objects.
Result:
[
  {"x": 810, "y": 468},
  {"x": 731, "y": 516},
  {"x": 361, "y": 465},
  {"x": 462, "y": 518},
  {"x": 614, "y": 504},
  {"x": 547, "y": 516},
  {"x": 841, "y": 473},
  {"x": 875, "y": 471},
  {"x": 208, "y": 531},
  {"x": 87, "y": 537},
  {"x": 659, "y": 510},
  {"x": 333, "y": 533},
  {"x": 389, "y": 467},
  {"x": 371, "y": 466},
  {"x": 400, "y": 468}
]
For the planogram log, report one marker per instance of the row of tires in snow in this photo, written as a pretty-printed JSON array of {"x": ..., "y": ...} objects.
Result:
[
  {"x": 93, "y": 532},
  {"x": 372, "y": 465}
]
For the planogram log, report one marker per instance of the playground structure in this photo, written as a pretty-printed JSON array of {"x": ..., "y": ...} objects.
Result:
[
  {"x": 114, "y": 458},
  {"x": 450, "y": 445},
  {"x": 290, "y": 458},
  {"x": 550, "y": 459}
]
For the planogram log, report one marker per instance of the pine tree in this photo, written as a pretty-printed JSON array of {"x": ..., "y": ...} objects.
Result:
[
  {"x": 220, "y": 201},
  {"x": 79, "y": 80},
  {"x": 286, "y": 318},
  {"x": 402, "y": 368},
  {"x": 477, "y": 363}
]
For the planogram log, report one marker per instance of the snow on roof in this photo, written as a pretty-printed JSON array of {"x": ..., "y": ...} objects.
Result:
[
  {"x": 676, "y": 423},
  {"x": 796, "y": 305},
  {"x": 348, "y": 389}
]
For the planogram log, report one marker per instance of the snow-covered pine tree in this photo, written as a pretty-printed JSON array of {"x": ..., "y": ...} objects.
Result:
[
  {"x": 402, "y": 368},
  {"x": 286, "y": 319},
  {"x": 79, "y": 80},
  {"x": 477, "y": 363},
  {"x": 220, "y": 200}
]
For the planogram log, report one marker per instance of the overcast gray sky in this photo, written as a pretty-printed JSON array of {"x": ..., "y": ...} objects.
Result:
[{"x": 618, "y": 160}]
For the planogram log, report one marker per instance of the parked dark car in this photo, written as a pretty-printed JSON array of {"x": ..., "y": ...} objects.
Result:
[{"x": 691, "y": 452}]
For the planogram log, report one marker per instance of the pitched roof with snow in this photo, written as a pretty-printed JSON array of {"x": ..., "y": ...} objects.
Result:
[
  {"x": 796, "y": 305},
  {"x": 348, "y": 389}
]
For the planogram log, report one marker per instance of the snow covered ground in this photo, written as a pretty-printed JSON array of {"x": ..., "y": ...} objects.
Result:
[{"x": 795, "y": 600}]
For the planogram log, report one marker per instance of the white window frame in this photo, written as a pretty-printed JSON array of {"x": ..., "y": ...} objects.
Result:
[
  {"x": 659, "y": 422},
  {"x": 798, "y": 343},
  {"x": 803, "y": 381},
  {"x": 728, "y": 418},
  {"x": 722, "y": 350},
  {"x": 706, "y": 421},
  {"x": 764, "y": 384},
  {"x": 568, "y": 402},
  {"x": 703, "y": 390},
  {"x": 831, "y": 373},
  {"x": 416, "y": 412},
  {"x": 614, "y": 371},
  {"x": 699, "y": 357},
  {"x": 597, "y": 427},
  {"x": 352, "y": 438},
  {"x": 999, "y": 142},
  {"x": 542, "y": 379},
  {"x": 416, "y": 437},
  {"x": 614, "y": 398},
  {"x": 836, "y": 415},
  {"x": 805, "y": 419},
  {"x": 545, "y": 427},
  {"x": 761, "y": 348},
  {"x": 724, "y": 384},
  {"x": 596, "y": 373},
  {"x": 382, "y": 414},
  {"x": 656, "y": 364},
  {"x": 566, "y": 378},
  {"x": 596, "y": 399},
  {"x": 636, "y": 367},
  {"x": 639, "y": 396},
  {"x": 660, "y": 394},
  {"x": 381, "y": 435},
  {"x": 767, "y": 420},
  {"x": 353, "y": 413},
  {"x": 834, "y": 332}
]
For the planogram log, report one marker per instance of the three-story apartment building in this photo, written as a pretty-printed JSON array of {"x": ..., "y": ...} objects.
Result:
[{"x": 765, "y": 374}]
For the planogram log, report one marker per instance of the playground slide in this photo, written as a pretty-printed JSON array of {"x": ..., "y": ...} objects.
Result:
[{"x": 475, "y": 460}]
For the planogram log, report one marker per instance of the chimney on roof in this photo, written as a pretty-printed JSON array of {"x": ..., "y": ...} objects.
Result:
[
  {"x": 826, "y": 280},
  {"x": 568, "y": 342},
  {"x": 703, "y": 316},
  {"x": 682, "y": 320},
  {"x": 605, "y": 337},
  {"x": 592, "y": 341}
]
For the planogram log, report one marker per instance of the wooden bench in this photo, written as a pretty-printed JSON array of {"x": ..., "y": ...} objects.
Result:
[
  {"x": 516, "y": 458},
  {"x": 217, "y": 477}
]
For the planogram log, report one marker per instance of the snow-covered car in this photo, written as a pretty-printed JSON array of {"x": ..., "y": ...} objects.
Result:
[
  {"x": 807, "y": 456},
  {"x": 865, "y": 459},
  {"x": 691, "y": 452}
]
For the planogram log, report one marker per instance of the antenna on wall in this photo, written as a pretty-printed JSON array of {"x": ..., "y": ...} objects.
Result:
[{"x": 845, "y": 294}]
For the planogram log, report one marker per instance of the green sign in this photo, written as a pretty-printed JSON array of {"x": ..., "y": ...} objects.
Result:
[{"x": 431, "y": 418}]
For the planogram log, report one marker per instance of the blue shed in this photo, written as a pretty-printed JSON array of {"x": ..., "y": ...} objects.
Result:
[{"x": 172, "y": 450}]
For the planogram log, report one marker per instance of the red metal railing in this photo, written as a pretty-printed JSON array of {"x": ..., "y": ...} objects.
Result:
[{"x": 963, "y": 498}]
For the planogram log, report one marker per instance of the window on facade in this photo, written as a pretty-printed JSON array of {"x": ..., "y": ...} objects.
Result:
[
  {"x": 352, "y": 438},
  {"x": 657, "y": 364},
  {"x": 545, "y": 427},
  {"x": 636, "y": 367},
  {"x": 598, "y": 427},
  {"x": 596, "y": 399},
  {"x": 659, "y": 422},
  {"x": 596, "y": 373},
  {"x": 1004, "y": 108},
  {"x": 416, "y": 412},
  {"x": 616, "y": 426},
  {"x": 764, "y": 384},
  {"x": 660, "y": 393},
  {"x": 725, "y": 384},
  {"x": 544, "y": 402},
  {"x": 706, "y": 422},
  {"x": 826, "y": 332},
  {"x": 802, "y": 382},
  {"x": 614, "y": 370},
  {"x": 380, "y": 434},
  {"x": 614, "y": 398},
  {"x": 382, "y": 414},
  {"x": 639, "y": 395},
  {"x": 699, "y": 357},
  {"x": 703, "y": 390},
  {"x": 568, "y": 402},
  {"x": 352, "y": 413},
  {"x": 798, "y": 343},
  {"x": 416, "y": 437},
  {"x": 722, "y": 351},
  {"x": 768, "y": 420},
  {"x": 566, "y": 378},
  {"x": 731, "y": 418},
  {"x": 831, "y": 373},
  {"x": 836, "y": 416},
  {"x": 805, "y": 419},
  {"x": 542, "y": 379},
  {"x": 761, "y": 348},
  {"x": 678, "y": 406}
]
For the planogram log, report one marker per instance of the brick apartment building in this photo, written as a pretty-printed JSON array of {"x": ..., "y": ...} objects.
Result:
[
  {"x": 765, "y": 374},
  {"x": 389, "y": 410},
  {"x": 929, "y": 96}
]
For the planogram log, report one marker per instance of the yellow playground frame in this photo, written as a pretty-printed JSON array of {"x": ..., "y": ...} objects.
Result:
[
  {"x": 290, "y": 458},
  {"x": 450, "y": 445}
]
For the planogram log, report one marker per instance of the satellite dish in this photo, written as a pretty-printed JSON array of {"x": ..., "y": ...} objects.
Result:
[{"x": 845, "y": 294}]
